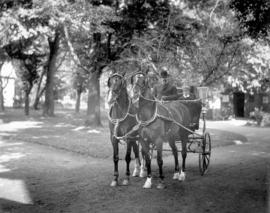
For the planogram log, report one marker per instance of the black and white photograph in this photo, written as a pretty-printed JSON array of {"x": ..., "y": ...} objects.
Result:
[{"x": 134, "y": 106}]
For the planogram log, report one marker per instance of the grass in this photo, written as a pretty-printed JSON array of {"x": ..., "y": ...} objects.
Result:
[{"x": 67, "y": 131}]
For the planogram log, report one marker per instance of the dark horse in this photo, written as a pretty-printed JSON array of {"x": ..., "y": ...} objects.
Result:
[
  {"x": 169, "y": 121},
  {"x": 121, "y": 122}
]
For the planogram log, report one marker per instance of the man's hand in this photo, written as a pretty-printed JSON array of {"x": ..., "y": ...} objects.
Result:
[{"x": 164, "y": 98}]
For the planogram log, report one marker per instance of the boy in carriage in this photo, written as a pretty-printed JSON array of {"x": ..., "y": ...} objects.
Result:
[{"x": 188, "y": 93}]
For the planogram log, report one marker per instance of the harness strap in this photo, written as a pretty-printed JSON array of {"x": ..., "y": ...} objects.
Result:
[
  {"x": 183, "y": 100},
  {"x": 157, "y": 115},
  {"x": 146, "y": 123},
  {"x": 117, "y": 121},
  {"x": 126, "y": 136},
  {"x": 179, "y": 124}
]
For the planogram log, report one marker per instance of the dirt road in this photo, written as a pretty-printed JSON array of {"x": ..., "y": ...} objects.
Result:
[{"x": 36, "y": 178}]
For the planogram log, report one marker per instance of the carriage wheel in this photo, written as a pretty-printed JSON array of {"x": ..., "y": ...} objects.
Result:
[{"x": 204, "y": 156}]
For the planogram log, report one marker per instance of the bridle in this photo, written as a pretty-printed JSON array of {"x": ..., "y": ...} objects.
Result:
[
  {"x": 142, "y": 90},
  {"x": 118, "y": 90},
  {"x": 116, "y": 121}
]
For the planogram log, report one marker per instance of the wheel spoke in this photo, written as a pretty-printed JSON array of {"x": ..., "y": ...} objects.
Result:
[
  {"x": 204, "y": 164},
  {"x": 204, "y": 156},
  {"x": 207, "y": 162}
]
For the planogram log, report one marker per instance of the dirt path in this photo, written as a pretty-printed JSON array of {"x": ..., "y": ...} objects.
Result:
[{"x": 36, "y": 178}]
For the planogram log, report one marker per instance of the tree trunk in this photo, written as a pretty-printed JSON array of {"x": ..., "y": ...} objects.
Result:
[
  {"x": 36, "y": 103},
  {"x": 39, "y": 92},
  {"x": 78, "y": 100},
  {"x": 26, "y": 104},
  {"x": 26, "y": 99},
  {"x": 2, "y": 107},
  {"x": 93, "y": 103},
  {"x": 48, "y": 109}
]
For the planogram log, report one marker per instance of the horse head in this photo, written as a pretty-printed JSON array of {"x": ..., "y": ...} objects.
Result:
[
  {"x": 140, "y": 87},
  {"x": 116, "y": 84}
]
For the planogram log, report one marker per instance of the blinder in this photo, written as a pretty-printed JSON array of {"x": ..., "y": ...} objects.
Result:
[
  {"x": 115, "y": 87},
  {"x": 112, "y": 76},
  {"x": 140, "y": 81}
]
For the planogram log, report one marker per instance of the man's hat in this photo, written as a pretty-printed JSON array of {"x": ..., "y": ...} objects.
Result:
[
  {"x": 164, "y": 74},
  {"x": 116, "y": 74}
]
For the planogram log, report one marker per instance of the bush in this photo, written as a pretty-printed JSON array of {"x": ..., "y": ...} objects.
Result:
[
  {"x": 257, "y": 115},
  {"x": 265, "y": 119}
]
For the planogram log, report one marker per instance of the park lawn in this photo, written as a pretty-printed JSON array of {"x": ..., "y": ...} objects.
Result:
[{"x": 67, "y": 131}]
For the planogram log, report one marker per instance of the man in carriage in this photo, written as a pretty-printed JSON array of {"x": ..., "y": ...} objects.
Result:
[{"x": 165, "y": 91}]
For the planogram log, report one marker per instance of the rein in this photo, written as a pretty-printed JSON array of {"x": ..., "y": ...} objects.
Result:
[
  {"x": 157, "y": 115},
  {"x": 117, "y": 121},
  {"x": 151, "y": 120}
]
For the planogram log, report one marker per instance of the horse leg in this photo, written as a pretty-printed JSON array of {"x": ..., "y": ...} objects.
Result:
[
  {"x": 115, "y": 161},
  {"x": 159, "y": 145},
  {"x": 128, "y": 159},
  {"x": 184, "y": 155},
  {"x": 142, "y": 172},
  {"x": 135, "y": 148},
  {"x": 146, "y": 154},
  {"x": 173, "y": 146}
]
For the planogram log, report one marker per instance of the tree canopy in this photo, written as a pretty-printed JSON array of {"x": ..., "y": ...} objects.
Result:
[
  {"x": 254, "y": 16},
  {"x": 201, "y": 42}
]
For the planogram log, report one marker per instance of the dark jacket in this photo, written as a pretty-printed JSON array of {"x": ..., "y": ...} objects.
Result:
[{"x": 165, "y": 92}]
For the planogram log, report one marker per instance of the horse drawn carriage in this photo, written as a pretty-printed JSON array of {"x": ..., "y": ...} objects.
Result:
[
  {"x": 198, "y": 142},
  {"x": 155, "y": 122}
]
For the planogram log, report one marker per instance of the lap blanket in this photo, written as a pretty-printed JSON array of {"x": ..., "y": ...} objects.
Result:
[{"x": 186, "y": 112}]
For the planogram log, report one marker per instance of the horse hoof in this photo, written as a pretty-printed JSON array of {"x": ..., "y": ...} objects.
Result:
[
  {"x": 182, "y": 176},
  {"x": 114, "y": 183},
  {"x": 148, "y": 184},
  {"x": 143, "y": 173},
  {"x": 125, "y": 182},
  {"x": 161, "y": 186},
  {"x": 176, "y": 176}
]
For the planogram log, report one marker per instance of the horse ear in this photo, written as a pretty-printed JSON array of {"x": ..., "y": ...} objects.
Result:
[
  {"x": 146, "y": 80},
  {"x": 109, "y": 82},
  {"x": 132, "y": 79},
  {"x": 124, "y": 83}
]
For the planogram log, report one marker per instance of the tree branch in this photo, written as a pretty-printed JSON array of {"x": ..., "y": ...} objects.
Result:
[
  {"x": 229, "y": 65},
  {"x": 217, "y": 64},
  {"x": 71, "y": 49},
  {"x": 212, "y": 11},
  {"x": 62, "y": 60}
]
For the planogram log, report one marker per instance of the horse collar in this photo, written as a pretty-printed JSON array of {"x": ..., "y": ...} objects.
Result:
[
  {"x": 151, "y": 120},
  {"x": 116, "y": 123},
  {"x": 118, "y": 120}
]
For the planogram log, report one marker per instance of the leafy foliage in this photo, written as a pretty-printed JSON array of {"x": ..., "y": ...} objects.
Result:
[
  {"x": 254, "y": 16},
  {"x": 200, "y": 42}
]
